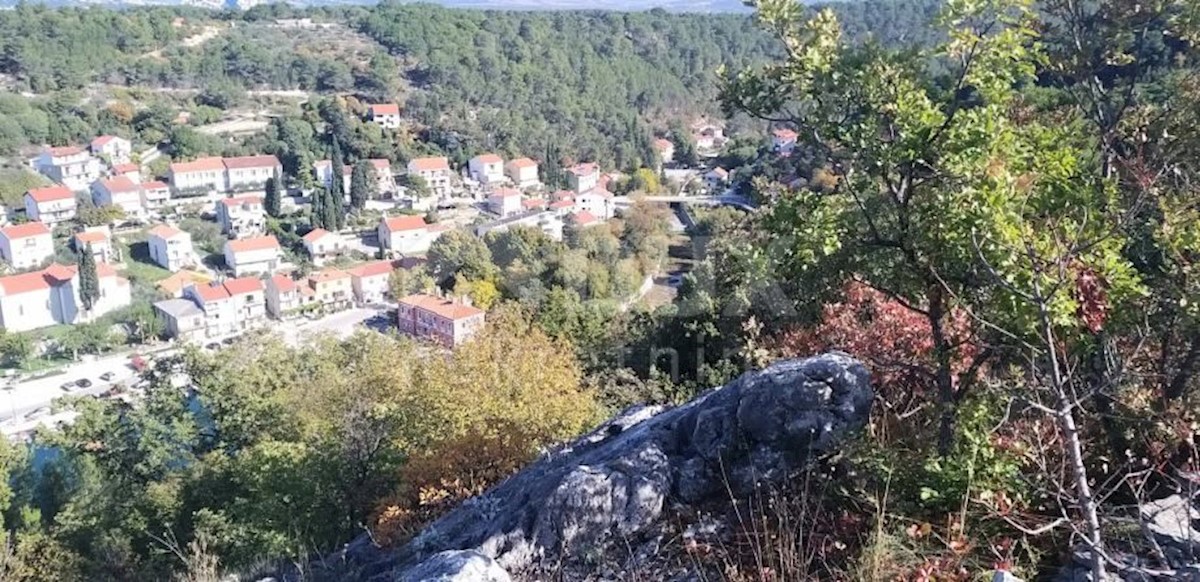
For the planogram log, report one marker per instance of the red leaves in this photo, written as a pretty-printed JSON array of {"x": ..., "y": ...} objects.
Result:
[{"x": 1092, "y": 298}]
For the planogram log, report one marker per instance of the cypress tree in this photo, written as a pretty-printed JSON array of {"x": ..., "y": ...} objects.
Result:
[
  {"x": 89, "y": 279},
  {"x": 363, "y": 185},
  {"x": 272, "y": 203},
  {"x": 338, "y": 183},
  {"x": 331, "y": 208},
  {"x": 317, "y": 215}
]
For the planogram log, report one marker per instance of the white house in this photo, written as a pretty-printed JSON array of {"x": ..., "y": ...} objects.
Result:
[
  {"x": 100, "y": 240},
  {"x": 241, "y": 216},
  {"x": 547, "y": 221},
  {"x": 598, "y": 202},
  {"x": 665, "y": 149},
  {"x": 250, "y": 173},
  {"x": 323, "y": 245},
  {"x": 708, "y": 136},
  {"x": 584, "y": 177},
  {"x": 117, "y": 150},
  {"x": 323, "y": 172},
  {"x": 120, "y": 192},
  {"x": 250, "y": 256},
  {"x": 198, "y": 177},
  {"x": 231, "y": 306},
  {"x": 131, "y": 171},
  {"x": 27, "y": 245},
  {"x": 505, "y": 202},
  {"x": 783, "y": 140},
  {"x": 155, "y": 194},
  {"x": 71, "y": 166},
  {"x": 283, "y": 296},
  {"x": 716, "y": 180},
  {"x": 372, "y": 281},
  {"x": 51, "y": 296},
  {"x": 51, "y": 205},
  {"x": 404, "y": 234},
  {"x": 523, "y": 172},
  {"x": 385, "y": 115},
  {"x": 435, "y": 172},
  {"x": 486, "y": 168},
  {"x": 170, "y": 248}
]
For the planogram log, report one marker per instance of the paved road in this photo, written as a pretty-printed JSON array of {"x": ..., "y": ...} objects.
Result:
[
  {"x": 20, "y": 399},
  {"x": 341, "y": 324}
]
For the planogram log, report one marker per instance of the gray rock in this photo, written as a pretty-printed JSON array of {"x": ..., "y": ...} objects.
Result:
[
  {"x": 612, "y": 484},
  {"x": 457, "y": 566}
]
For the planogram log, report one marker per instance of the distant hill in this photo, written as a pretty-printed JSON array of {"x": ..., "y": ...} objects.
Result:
[{"x": 623, "y": 5}]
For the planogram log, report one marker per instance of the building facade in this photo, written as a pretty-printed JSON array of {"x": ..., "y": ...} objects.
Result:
[
  {"x": 443, "y": 321},
  {"x": 51, "y": 205},
  {"x": 24, "y": 246}
]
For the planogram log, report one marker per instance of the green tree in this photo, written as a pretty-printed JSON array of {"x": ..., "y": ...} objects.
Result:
[
  {"x": 363, "y": 185},
  {"x": 416, "y": 186},
  {"x": 272, "y": 202},
  {"x": 89, "y": 279},
  {"x": 404, "y": 282},
  {"x": 459, "y": 252},
  {"x": 338, "y": 172}
]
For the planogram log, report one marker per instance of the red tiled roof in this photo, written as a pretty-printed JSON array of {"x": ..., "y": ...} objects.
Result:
[
  {"x": 489, "y": 159},
  {"x": 283, "y": 283},
  {"x": 328, "y": 275},
  {"x": 523, "y": 163},
  {"x": 663, "y": 145},
  {"x": 175, "y": 283},
  {"x": 560, "y": 204},
  {"x": 584, "y": 218},
  {"x": 119, "y": 185},
  {"x": 563, "y": 195},
  {"x": 384, "y": 109},
  {"x": 164, "y": 231},
  {"x": 399, "y": 223},
  {"x": 209, "y": 164},
  {"x": 784, "y": 133},
  {"x": 380, "y": 163},
  {"x": 372, "y": 269},
  {"x": 125, "y": 169},
  {"x": 211, "y": 292},
  {"x": 91, "y": 236},
  {"x": 315, "y": 234},
  {"x": 102, "y": 140},
  {"x": 37, "y": 280},
  {"x": 231, "y": 202},
  {"x": 443, "y": 307},
  {"x": 246, "y": 162},
  {"x": 428, "y": 164},
  {"x": 243, "y": 285},
  {"x": 533, "y": 203},
  {"x": 584, "y": 169},
  {"x": 50, "y": 194},
  {"x": 63, "y": 151},
  {"x": 257, "y": 243},
  {"x": 155, "y": 185},
  {"x": 18, "y": 231}
]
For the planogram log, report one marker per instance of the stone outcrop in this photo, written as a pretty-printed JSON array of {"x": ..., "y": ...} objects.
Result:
[{"x": 615, "y": 482}]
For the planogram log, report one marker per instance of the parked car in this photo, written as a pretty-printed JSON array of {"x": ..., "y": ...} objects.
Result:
[
  {"x": 68, "y": 387},
  {"x": 83, "y": 383},
  {"x": 37, "y": 413},
  {"x": 107, "y": 376},
  {"x": 213, "y": 346},
  {"x": 229, "y": 341}
]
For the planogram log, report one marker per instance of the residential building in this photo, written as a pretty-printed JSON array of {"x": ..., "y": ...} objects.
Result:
[
  {"x": 486, "y": 168},
  {"x": 120, "y": 192},
  {"x": 404, "y": 234},
  {"x": 385, "y": 115},
  {"x": 219, "y": 310},
  {"x": 584, "y": 177},
  {"x": 436, "y": 173},
  {"x": 117, "y": 150},
  {"x": 523, "y": 172},
  {"x": 182, "y": 319},
  {"x": 708, "y": 136},
  {"x": 383, "y": 173},
  {"x": 598, "y": 201},
  {"x": 585, "y": 219},
  {"x": 562, "y": 203},
  {"x": 71, "y": 166},
  {"x": 250, "y": 256},
  {"x": 131, "y": 171},
  {"x": 323, "y": 172},
  {"x": 323, "y": 245},
  {"x": 665, "y": 149},
  {"x": 716, "y": 180},
  {"x": 548, "y": 222},
  {"x": 250, "y": 173},
  {"x": 100, "y": 239},
  {"x": 372, "y": 282},
  {"x": 249, "y": 299},
  {"x": 51, "y": 205},
  {"x": 198, "y": 177},
  {"x": 283, "y": 296},
  {"x": 28, "y": 245},
  {"x": 155, "y": 194},
  {"x": 783, "y": 140},
  {"x": 530, "y": 204},
  {"x": 51, "y": 297},
  {"x": 332, "y": 289},
  {"x": 170, "y": 248},
  {"x": 504, "y": 202},
  {"x": 444, "y": 321},
  {"x": 242, "y": 216}
]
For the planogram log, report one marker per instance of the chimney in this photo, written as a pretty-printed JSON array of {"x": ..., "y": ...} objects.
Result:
[{"x": 465, "y": 300}]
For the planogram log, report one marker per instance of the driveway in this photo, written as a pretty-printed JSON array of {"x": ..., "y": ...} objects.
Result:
[{"x": 341, "y": 324}]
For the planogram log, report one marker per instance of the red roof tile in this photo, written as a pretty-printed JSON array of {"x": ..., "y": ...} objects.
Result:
[
  {"x": 102, "y": 140},
  {"x": 50, "y": 194},
  {"x": 246, "y": 162},
  {"x": 384, "y": 109},
  {"x": 584, "y": 169},
  {"x": 164, "y": 231},
  {"x": 315, "y": 234},
  {"x": 372, "y": 269},
  {"x": 784, "y": 133},
  {"x": 533, "y": 203},
  {"x": 489, "y": 159},
  {"x": 119, "y": 185},
  {"x": 209, "y": 164},
  {"x": 125, "y": 169},
  {"x": 214, "y": 291},
  {"x": 523, "y": 163},
  {"x": 443, "y": 307},
  {"x": 400, "y": 223},
  {"x": 257, "y": 243},
  {"x": 283, "y": 283},
  {"x": 64, "y": 151},
  {"x": 155, "y": 185},
  {"x": 18, "y": 231},
  {"x": 328, "y": 275},
  {"x": 243, "y": 285},
  {"x": 428, "y": 164},
  {"x": 91, "y": 236},
  {"x": 584, "y": 218}
]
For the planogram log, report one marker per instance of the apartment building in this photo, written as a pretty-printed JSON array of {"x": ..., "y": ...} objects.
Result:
[{"x": 24, "y": 246}]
